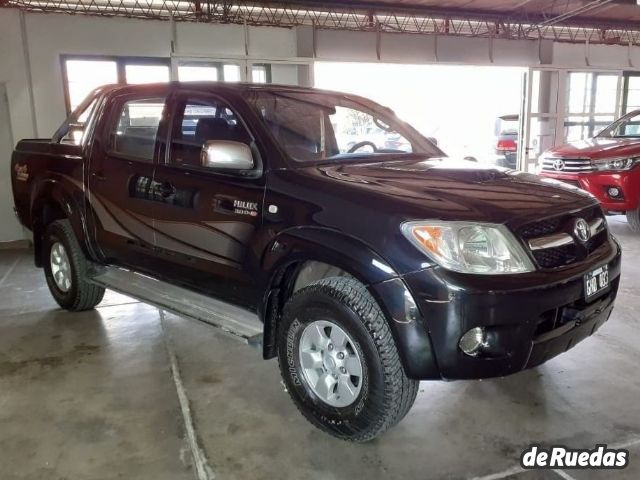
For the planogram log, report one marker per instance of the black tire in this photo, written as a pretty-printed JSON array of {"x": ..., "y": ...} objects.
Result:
[
  {"x": 82, "y": 295},
  {"x": 386, "y": 393},
  {"x": 633, "y": 217}
]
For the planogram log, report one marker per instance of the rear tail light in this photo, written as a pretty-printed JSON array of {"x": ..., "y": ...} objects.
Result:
[{"x": 507, "y": 146}]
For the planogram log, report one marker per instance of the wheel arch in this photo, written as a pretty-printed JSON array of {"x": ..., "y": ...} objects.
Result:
[
  {"x": 314, "y": 251},
  {"x": 51, "y": 202}
]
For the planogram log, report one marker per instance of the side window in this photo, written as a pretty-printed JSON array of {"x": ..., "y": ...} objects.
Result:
[
  {"x": 136, "y": 127},
  {"x": 199, "y": 121}
]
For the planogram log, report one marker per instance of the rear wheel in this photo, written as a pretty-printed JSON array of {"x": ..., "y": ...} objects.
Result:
[
  {"x": 633, "y": 217},
  {"x": 65, "y": 268},
  {"x": 340, "y": 362}
]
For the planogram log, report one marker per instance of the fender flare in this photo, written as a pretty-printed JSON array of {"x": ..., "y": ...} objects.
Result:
[
  {"x": 295, "y": 246},
  {"x": 68, "y": 201}
]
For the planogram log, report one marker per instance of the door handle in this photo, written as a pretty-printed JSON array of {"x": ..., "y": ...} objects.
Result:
[
  {"x": 99, "y": 176},
  {"x": 166, "y": 189}
]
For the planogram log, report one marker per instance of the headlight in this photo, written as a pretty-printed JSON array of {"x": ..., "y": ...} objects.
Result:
[
  {"x": 615, "y": 164},
  {"x": 469, "y": 247}
]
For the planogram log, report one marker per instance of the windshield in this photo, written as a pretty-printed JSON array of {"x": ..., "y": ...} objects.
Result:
[
  {"x": 325, "y": 127},
  {"x": 627, "y": 126}
]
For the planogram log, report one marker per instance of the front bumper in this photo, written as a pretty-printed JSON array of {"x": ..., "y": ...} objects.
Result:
[
  {"x": 531, "y": 317},
  {"x": 597, "y": 183}
]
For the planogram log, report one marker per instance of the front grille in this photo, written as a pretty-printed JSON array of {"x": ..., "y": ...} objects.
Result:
[
  {"x": 540, "y": 229},
  {"x": 563, "y": 255},
  {"x": 556, "y": 257},
  {"x": 568, "y": 165}
]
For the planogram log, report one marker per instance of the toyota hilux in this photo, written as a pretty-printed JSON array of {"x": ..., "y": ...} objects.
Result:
[{"x": 363, "y": 267}]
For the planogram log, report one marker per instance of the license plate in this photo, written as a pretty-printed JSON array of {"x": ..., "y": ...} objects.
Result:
[{"x": 596, "y": 281}]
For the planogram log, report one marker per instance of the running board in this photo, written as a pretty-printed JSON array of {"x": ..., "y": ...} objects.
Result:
[{"x": 186, "y": 303}]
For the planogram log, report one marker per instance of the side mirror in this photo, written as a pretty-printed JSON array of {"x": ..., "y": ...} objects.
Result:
[
  {"x": 74, "y": 134},
  {"x": 226, "y": 155},
  {"x": 433, "y": 140}
]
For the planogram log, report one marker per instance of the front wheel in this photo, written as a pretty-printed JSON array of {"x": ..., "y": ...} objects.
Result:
[
  {"x": 65, "y": 268},
  {"x": 340, "y": 363},
  {"x": 633, "y": 217}
]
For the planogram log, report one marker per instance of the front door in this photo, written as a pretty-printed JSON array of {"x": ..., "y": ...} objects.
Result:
[
  {"x": 121, "y": 178},
  {"x": 206, "y": 219}
]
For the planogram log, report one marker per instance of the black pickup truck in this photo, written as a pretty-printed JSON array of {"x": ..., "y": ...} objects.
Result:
[{"x": 282, "y": 215}]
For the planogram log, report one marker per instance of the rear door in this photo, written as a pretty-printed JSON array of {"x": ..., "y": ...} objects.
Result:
[
  {"x": 206, "y": 219},
  {"x": 121, "y": 173}
]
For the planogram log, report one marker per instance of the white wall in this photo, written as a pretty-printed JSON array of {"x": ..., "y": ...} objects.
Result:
[
  {"x": 82, "y": 35},
  {"x": 611, "y": 56},
  {"x": 13, "y": 73},
  {"x": 15, "y": 115},
  {"x": 51, "y": 35},
  {"x": 10, "y": 229}
]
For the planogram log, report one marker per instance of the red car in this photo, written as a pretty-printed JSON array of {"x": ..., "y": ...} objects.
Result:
[{"x": 607, "y": 166}]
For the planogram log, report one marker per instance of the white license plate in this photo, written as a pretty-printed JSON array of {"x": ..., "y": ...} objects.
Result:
[{"x": 596, "y": 281}]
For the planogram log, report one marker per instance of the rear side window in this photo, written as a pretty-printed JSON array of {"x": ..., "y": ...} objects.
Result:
[{"x": 136, "y": 128}]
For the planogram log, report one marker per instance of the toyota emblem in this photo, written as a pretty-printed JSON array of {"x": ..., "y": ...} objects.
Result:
[
  {"x": 558, "y": 164},
  {"x": 581, "y": 230}
]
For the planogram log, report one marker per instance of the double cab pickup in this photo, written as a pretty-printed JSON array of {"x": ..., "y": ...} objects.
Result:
[{"x": 288, "y": 216}]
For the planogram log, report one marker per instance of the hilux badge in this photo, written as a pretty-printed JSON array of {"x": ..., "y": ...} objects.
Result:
[
  {"x": 581, "y": 230},
  {"x": 242, "y": 207}
]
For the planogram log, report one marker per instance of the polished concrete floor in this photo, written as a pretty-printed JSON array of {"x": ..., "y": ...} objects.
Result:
[{"x": 123, "y": 392}]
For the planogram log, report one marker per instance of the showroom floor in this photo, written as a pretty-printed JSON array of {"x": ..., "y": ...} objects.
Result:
[{"x": 118, "y": 392}]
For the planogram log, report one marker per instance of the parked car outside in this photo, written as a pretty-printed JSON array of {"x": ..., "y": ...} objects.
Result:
[
  {"x": 607, "y": 166},
  {"x": 506, "y": 140}
]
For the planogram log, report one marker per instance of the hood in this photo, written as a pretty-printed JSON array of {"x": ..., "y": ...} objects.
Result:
[
  {"x": 597, "y": 148},
  {"x": 447, "y": 189}
]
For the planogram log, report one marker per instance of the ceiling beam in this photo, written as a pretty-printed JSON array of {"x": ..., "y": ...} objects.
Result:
[{"x": 355, "y": 16}]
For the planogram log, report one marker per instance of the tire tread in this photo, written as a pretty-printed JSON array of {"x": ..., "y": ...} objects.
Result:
[
  {"x": 88, "y": 295},
  {"x": 400, "y": 391},
  {"x": 633, "y": 218}
]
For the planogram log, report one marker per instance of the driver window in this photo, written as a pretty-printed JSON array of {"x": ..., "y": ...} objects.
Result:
[
  {"x": 198, "y": 121},
  {"x": 361, "y": 132}
]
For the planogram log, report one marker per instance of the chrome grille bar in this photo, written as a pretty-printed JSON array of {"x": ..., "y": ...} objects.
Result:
[
  {"x": 571, "y": 165},
  {"x": 561, "y": 239},
  {"x": 550, "y": 241}
]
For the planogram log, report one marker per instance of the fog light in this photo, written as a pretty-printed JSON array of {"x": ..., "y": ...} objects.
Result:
[
  {"x": 613, "y": 192},
  {"x": 473, "y": 341}
]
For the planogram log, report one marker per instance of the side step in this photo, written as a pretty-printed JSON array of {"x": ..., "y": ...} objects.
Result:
[{"x": 183, "y": 302}]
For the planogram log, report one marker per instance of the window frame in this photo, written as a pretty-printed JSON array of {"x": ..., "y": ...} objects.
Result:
[
  {"x": 121, "y": 63},
  {"x": 593, "y": 126},
  {"x": 113, "y": 116},
  {"x": 172, "y": 117},
  {"x": 626, "y": 77},
  {"x": 267, "y": 72},
  {"x": 218, "y": 65}
]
